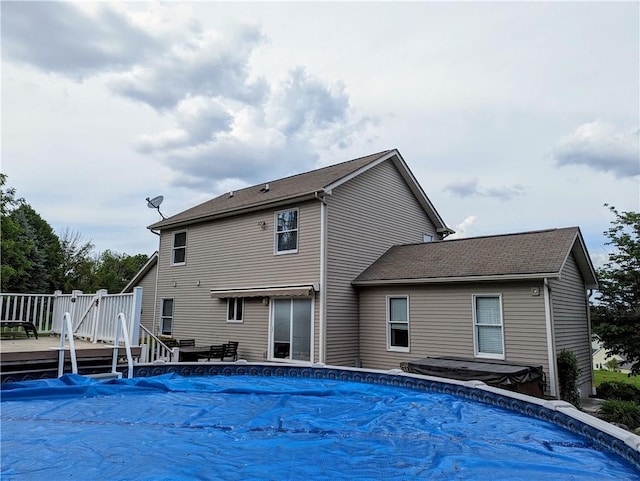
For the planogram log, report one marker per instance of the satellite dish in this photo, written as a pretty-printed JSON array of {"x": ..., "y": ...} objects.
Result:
[{"x": 155, "y": 204}]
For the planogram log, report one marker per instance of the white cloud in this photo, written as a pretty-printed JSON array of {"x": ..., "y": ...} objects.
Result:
[
  {"x": 198, "y": 120},
  {"x": 202, "y": 63},
  {"x": 472, "y": 188},
  {"x": 466, "y": 228},
  {"x": 127, "y": 100},
  {"x": 62, "y": 38},
  {"x": 600, "y": 146}
]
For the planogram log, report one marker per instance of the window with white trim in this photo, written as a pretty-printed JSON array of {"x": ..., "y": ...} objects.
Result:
[
  {"x": 235, "y": 309},
  {"x": 286, "y": 232},
  {"x": 179, "y": 248},
  {"x": 398, "y": 323},
  {"x": 166, "y": 317},
  {"x": 488, "y": 326}
]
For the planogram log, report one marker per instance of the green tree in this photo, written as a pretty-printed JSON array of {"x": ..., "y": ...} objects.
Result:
[
  {"x": 616, "y": 312},
  {"x": 14, "y": 252},
  {"x": 43, "y": 253},
  {"x": 77, "y": 266},
  {"x": 114, "y": 271}
]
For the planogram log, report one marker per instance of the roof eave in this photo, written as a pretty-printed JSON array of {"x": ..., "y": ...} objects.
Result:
[
  {"x": 168, "y": 224},
  {"x": 443, "y": 280}
]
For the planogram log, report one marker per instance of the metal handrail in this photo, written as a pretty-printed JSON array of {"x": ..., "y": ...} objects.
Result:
[
  {"x": 67, "y": 328},
  {"x": 121, "y": 325}
]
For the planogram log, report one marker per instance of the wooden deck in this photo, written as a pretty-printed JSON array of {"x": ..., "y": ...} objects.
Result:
[{"x": 30, "y": 354}]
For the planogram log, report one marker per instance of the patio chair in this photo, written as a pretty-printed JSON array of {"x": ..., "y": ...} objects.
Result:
[
  {"x": 170, "y": 342},
  {"x": 231, "y": 351},
  {"x": 187, "y": 343},
  {"x": 215, "y": 352}
]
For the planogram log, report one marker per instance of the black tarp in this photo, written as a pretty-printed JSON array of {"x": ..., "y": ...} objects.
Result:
[{"x": 505, "y": 375}]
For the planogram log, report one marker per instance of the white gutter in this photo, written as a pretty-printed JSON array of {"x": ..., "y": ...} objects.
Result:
[
  {"x": 439, "y": 280},
  {"x": 551, "y": 349},
  {"x": 323, "y": 281}
]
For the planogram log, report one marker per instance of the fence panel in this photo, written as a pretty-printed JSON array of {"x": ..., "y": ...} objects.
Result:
[
  {"x": 35, "y": 308},
  {"x": 94, "y": 316}
]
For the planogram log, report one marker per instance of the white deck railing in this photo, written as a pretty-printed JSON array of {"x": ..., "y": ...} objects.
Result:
[
  {"x": 34, "y": 308},
  {"x": 152, "y": 349},
  {"x": 94, "y": 317}
]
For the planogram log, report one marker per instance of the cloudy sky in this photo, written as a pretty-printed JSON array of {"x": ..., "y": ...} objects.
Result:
[{"x": 513, "y": 116}]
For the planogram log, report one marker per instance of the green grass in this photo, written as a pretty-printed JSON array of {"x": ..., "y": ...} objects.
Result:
[{"x": 602, "y": 376}]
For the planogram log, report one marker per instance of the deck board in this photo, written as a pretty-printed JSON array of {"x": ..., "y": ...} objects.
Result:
[{"x": 23, "y": 350}]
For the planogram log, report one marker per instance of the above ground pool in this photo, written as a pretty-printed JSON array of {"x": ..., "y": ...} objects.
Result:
[{"x": 171, "y": 427}]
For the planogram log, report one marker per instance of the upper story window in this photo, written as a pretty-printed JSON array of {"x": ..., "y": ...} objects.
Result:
[
  {"x": 235, "y": 309},
  {"x": 398, "y": 323},
  {"x": 286, "y": 241},
  {"x": 488, "y": 332},
  {"x": 179, "y": 249}
]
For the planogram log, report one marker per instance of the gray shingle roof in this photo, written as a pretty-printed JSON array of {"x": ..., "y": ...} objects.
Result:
[
  {"x": 279, "y": 190},
  {"x": 529, "y": 254}
]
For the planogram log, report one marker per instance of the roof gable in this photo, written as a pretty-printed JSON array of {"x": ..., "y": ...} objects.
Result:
[
  {"x": 298, "y": 187},
  {"x": 512, "y": 256},
  {"x": 151, "y": 262}
]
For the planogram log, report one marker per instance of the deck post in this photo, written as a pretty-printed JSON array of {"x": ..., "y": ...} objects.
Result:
[{"x": 136, "y": 313}]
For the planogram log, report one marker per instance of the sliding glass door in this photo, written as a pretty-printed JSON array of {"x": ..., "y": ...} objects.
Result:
[{"x": 291, "y": 329}]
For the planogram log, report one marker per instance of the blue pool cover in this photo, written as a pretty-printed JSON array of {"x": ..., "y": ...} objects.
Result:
[{"x": 270, "y": 428}]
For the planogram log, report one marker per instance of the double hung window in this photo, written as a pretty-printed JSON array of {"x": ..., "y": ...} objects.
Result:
[
  {"x": 398, "y": 323},
  {"x": 488, "y": 326},
  {"x": 286, "y": 241},
  {"x": 235, "y": 309},
  {"x": 179, "y": 248},
  {"x": 166, "y": 317}
]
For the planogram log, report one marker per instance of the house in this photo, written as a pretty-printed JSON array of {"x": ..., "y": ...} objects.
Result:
[
  {"x": 602, "y": 358},
  {"x": 295, "y": 269},
  {"x": 271, "y": 265},
  {"x": 518, "y": 298}
]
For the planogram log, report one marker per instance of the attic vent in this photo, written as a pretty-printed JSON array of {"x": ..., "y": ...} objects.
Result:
[{"x": 265, "y": 188}]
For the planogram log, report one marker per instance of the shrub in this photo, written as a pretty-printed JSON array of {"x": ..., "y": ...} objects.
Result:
[
  {"x": 619, "y": 390},
  {"x": 621, "y": 412},
  {"x": 568, "y": 373}
]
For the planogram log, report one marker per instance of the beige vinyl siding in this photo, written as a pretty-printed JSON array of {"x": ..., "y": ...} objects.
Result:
[
  {"x": 570, "y": 320},
  {"x": 441, "y": 323},
  {"x": 148, "y": 284},
  {"x": 365, "y": 217},
  {"x": 232, "y": 253}
]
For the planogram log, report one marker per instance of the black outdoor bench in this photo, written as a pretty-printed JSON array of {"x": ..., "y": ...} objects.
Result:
[{"x": 27, "y": 326}]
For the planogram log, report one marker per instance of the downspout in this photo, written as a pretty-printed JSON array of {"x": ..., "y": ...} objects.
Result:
[
  {"x": 323, "y": 279},
  {"x": 588, "y": 294},
  {"x": 551, "y": 348},
  {"x": 155, "y": 291}
]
